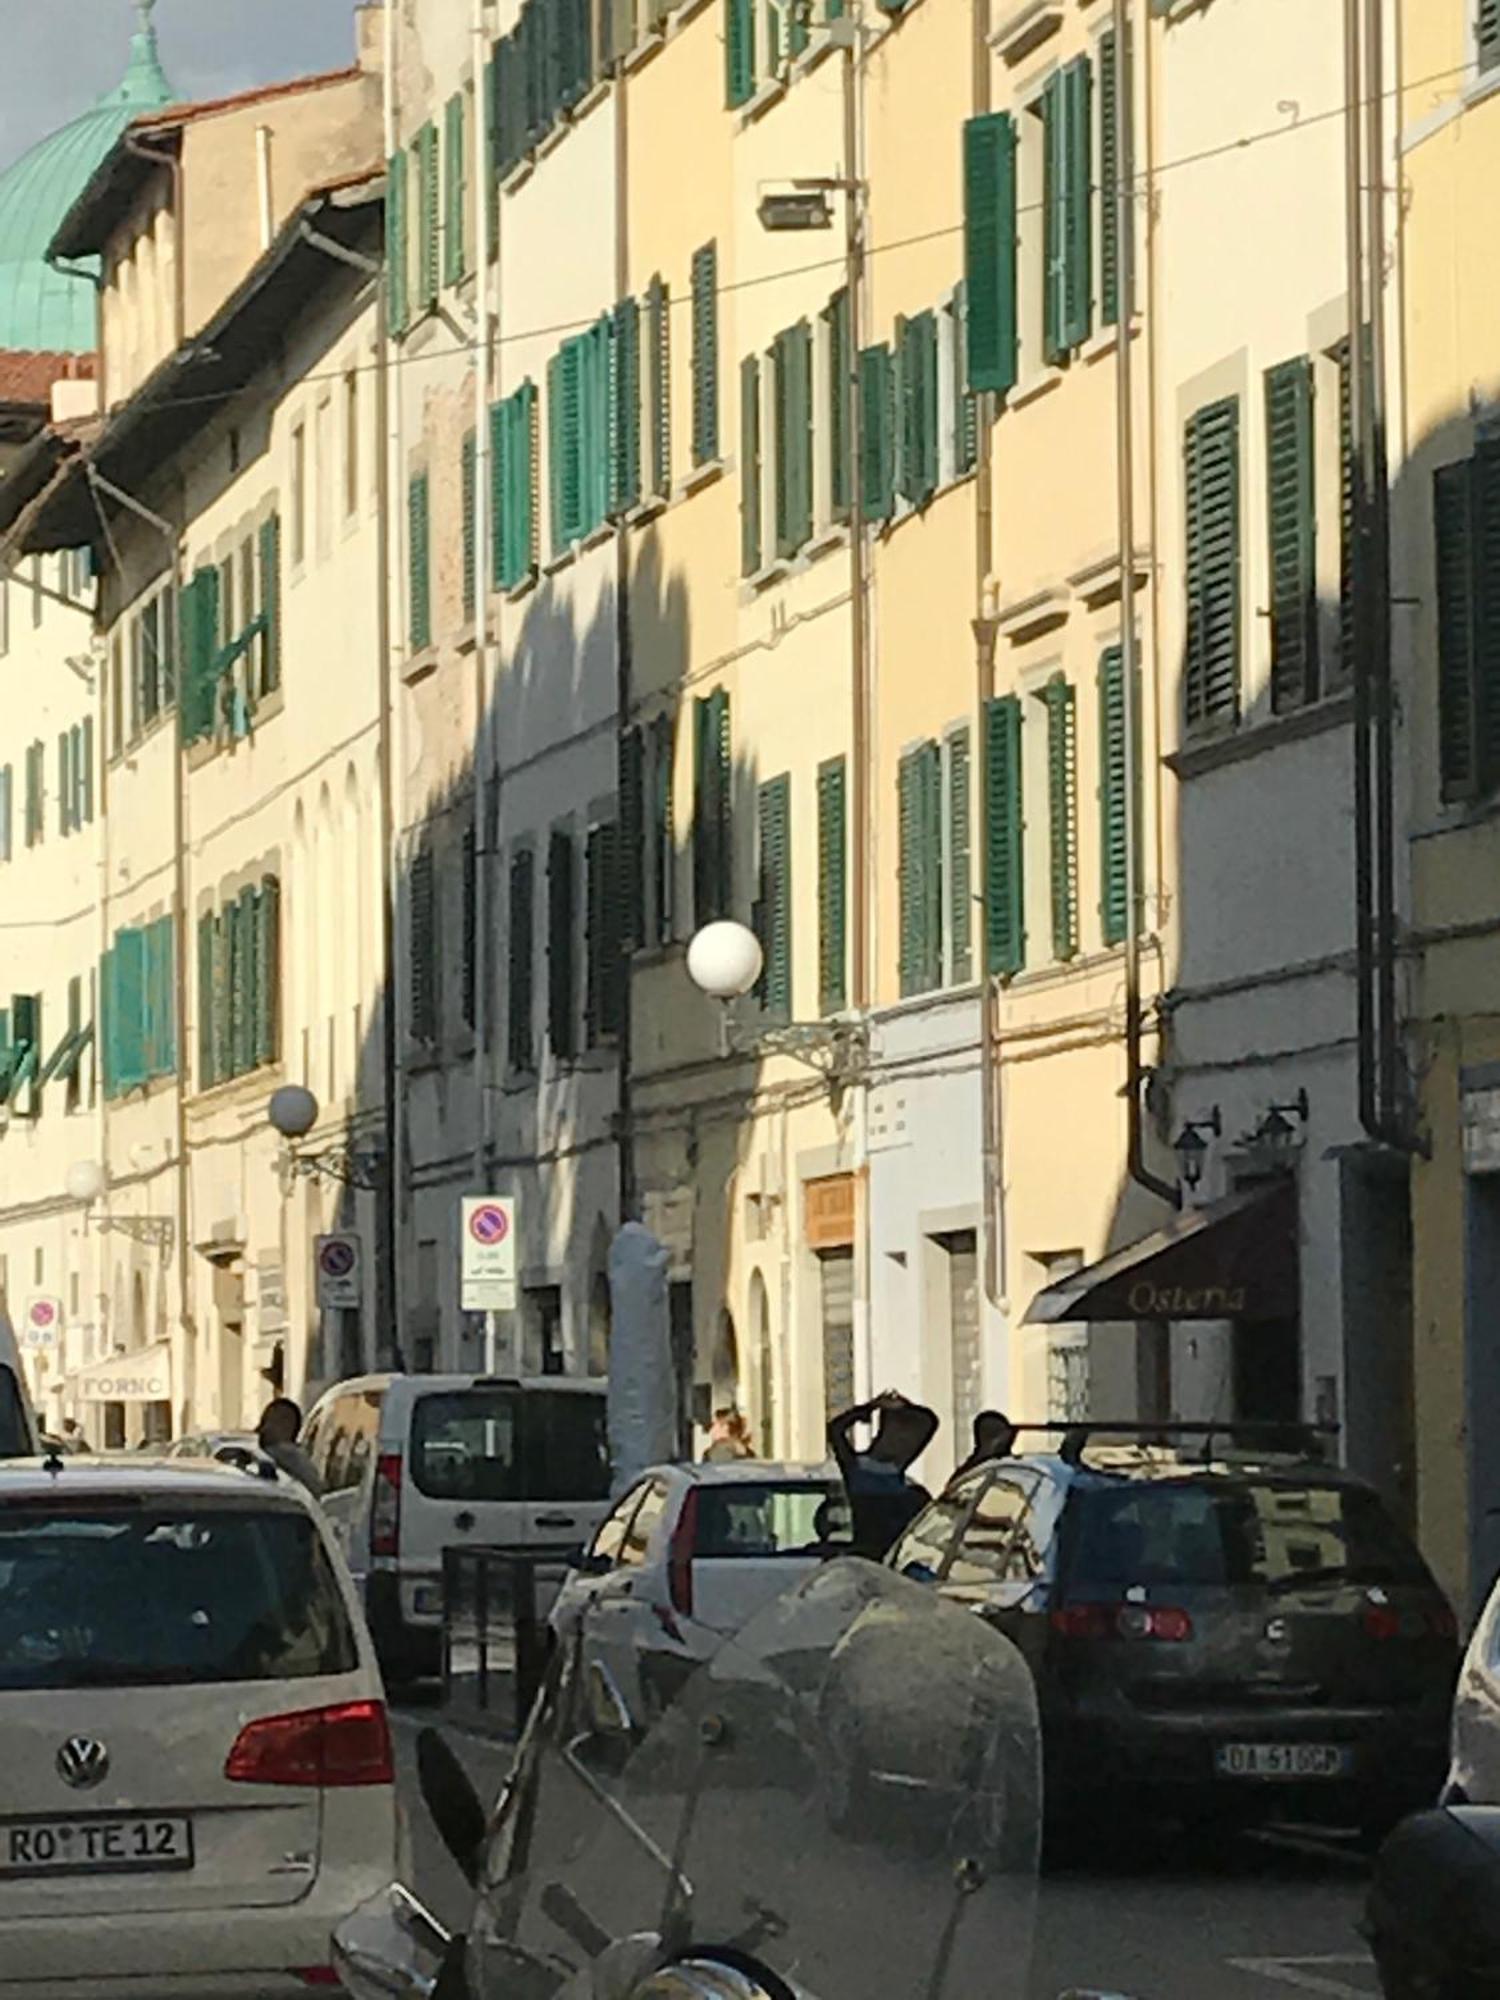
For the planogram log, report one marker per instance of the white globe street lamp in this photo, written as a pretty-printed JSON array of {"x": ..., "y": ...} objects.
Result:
[
  {"x": 85, "y": 1182},
  {"x": 725, "y": 960},
  {"x": 293, "y": 1111}
]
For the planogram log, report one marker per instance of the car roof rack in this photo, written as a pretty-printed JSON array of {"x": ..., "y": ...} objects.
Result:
[{"x": 1298, "y": 1441}]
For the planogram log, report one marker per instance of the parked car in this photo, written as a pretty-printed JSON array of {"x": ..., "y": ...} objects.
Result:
[
  {"x": 1216, "y": 1629},
  {"x": 1474, "y": 1744},
  {"x": 689, "y": 1554},
  {"x": 18, "y": 1425},
  {"x": 414, "y": 1464},
  {"x": 240, "y": 1448},
  {"x": 198, "y": 1767}
]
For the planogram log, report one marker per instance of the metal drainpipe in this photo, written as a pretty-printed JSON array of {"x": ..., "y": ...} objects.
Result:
[
  {"x": 187, "y": 1319},
  {"x": 1359, "y": 413},
  {"x": 1124, "y": 199},
  {"x": 628, "y": 1190}
]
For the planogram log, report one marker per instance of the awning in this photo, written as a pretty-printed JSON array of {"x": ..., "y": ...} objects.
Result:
[
  {"x": 1232, "y": 1259},
  {"x": 142, "y": 1377}
]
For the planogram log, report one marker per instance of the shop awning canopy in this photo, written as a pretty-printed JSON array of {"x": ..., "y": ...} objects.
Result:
[
  {"x": 142, "y": 1377},
  {"x": 1231, "y": 1259}
]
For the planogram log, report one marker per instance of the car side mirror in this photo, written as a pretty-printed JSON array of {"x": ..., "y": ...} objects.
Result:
[
  {"x": 589, "y": 1564},
  {"x": 452, "y": 1801}
]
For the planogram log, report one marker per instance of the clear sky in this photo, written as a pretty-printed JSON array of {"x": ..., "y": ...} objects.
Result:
[{"x": 62, "y": 54}]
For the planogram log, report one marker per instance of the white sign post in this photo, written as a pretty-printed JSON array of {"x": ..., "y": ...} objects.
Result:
[
  {"x": 489, "y": 1264},
  {"x": 338, "y": 1260}
]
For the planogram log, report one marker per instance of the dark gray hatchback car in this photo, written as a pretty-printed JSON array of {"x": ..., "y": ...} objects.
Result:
[{"x": 1216, "y": 1629}]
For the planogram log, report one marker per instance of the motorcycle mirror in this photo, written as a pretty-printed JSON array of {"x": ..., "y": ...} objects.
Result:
[{"x": 452, "y": 1801}]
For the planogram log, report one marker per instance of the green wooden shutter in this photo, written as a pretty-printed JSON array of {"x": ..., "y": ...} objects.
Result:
[
  {"x": 663, "y": 826},
  {"x": 1348, "y": 475},
  {"x": 659, "y": 319},
  {"x": 799, "y": 350},
  {"x": 877, "y": 438},
  {"x": 562, "y": 922},
  {"x": 1487, "y": 34},
  {"x": 1290, "y": 522},
  {"x": 604, "y": 1012},
  {"x": 64, "y": 783},
  {"x": 965, "y": 403},
  {"x": 840, "y": 365},
  {"x": 566, "y": 396},
  {"x": 397, "y": 223},
  {"x": 248, "y": 1010},
  {"x": 1109, "y": 171},
  {"x": 1004, "y": 838},
  {"x": 520, "y": 960},
  {"x": 165, "y": 930},
  {"x": 510, "y": 84},
  {"x": 26, "y": 1041},
  {"x": 1078, "y": 205},
  {"x": 919, "y": 408},
  {"x": 513, "y": 430},
  {"x": 774, "y": 829},
  {"x": 1486, "y": 541},
  {"x": 468, "y": 981},
  {"x": 430, "y": 217},
  {"x": 705, "y": 354},
  {"x": 739, "y": 51},
  {"x": 1454, "y": 548},
  {"x": 712, "y": 836},
  {"x": 596, "y": 423},
  {"x": 419, "y": 557},
  {"x": 1062, "y": 814},
  {"x": 919, "y": 866},
  {"x": 499, "y": 492},
  {"x": 86, "y": 775},
  {"x": 798, "y": 27},
  {"x": 268, "y": 968},
  {"x": 782, "y": 450},
  {"x": 751, "y": 531},
  {"x": 270, "y": 603},
  {"x": 456, "y": 186},
  {"x": 207, "y": 1073},
  {"x": 469, "y": 481},
  {"x": 990, "y": 251},
  {"x": 632, "y": 886},
  {"x": 130, "y": 1007},
  {"x": 422, "y": 1008},
  {"x": 960, "y": 859},
  {"x": 198, "y": 705},
  {"x": 495, "y": 135},
  {"x": 833, "y": 948},
  {"x": 625, "y": 406},
  {"x": 1114, "y": 776},
  {"x": 1054, "y": 217},
  {"x": 221, "y": 983},
  {"x": 1211, "y": 678}
]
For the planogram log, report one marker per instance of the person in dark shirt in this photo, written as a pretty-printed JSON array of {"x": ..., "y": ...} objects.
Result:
[
  {"x": 883, "y": 1498},
  {"x": 994, "y": 1438}
]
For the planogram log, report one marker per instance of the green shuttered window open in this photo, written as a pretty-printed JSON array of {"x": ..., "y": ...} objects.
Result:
[
  {"x": 989, "y": 158},
  {"x": 423, "y": 1010},
  {"x": 1211, "y": 668},
  {"x": 840, "y": 390},
  {"x": 470, "y": 488},
  {"x": 919, "y": 440},
  {"x": 1291, "y": 531},
  {"x": 1110, "y": 162},
  {"x": 429, "y": 213},
  {"x": 605, "y": 994},
  {"x": 1487, "y": 33},
  {"x": 624, "y": 407},
  {"x": 659, "y": 333},
  {"x": 1004, "y": 830}
]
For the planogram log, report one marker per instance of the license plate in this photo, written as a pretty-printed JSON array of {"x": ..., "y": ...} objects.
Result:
[
  {"x": 98, "y": 1844},
  {"x": 1282, "y": 1760}
]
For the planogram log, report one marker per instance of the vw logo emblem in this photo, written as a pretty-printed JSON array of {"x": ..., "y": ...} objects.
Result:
[
  {"x": 1277, "y": 1631},
  {"x": 82, "y": 1761}
]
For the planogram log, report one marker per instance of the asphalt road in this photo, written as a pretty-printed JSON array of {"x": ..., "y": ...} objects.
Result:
[{"x": 1266, "y": 1918}]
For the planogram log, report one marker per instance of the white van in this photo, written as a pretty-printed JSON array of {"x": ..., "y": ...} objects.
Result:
[
  {"x": 415, "y": 1464},
  {"x": 18, "y": 1426}
]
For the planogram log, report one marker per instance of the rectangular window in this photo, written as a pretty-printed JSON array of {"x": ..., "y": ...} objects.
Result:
[
  {"x": 455, "y": 146},
  {"x": 634, "y": 865},
  {"x": 604, "y": 1000},
  {"x": 578, "y": 434},
  {"x": 752, "y": 471},
  {"x": 663, "y": 826},
  {"x": 1119, "y": 796},
  {"x": 1290, "y": 523},
  {"x": 659, "y": 333},
  {"x": 705, "y": 354},
  {"x": 1004, "y": 831},
  {"x": 521, "y": 947},
  {"x": 562, "y": 946},
  {"x": 792, "y": 397},
  {"x": 198, "y": 706},
  {"x": 833, "y": 841},
  {"x": 64, "y": 783},
  {"x": 423, "y": 1007},
  {"x": 351, "y": 441},
  {"x": 774, "y": 898},
  {"x": 1067, "y": 198},
  {"x": 920, "y": 868},
  {"x": 990, "y": 251},
  {"x": 1211, "y": 456},
  {"x": 299, "y": 495},
  {"x": 419, "y": 558},
  {"x": 713, "y": 869}
]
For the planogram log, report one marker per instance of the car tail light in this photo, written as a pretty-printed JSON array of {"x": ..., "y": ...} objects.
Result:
[
  {"x": 680, "y": 1562},
  {"x": 1163, "y": 1622},
  {"x": 385, "y": 1515},
  {"x": 329, "y": 1748},
  {"x": 1381, "y": 1622}
]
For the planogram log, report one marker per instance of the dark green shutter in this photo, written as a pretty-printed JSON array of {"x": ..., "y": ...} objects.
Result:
[
  {"x": 131, "y": 987},
  {"x": 495, "y": 128},
  {"x": 960, "y": 859},
  {"x": 965, "y": 402},
  {"x": 833, "y": 949},
  {"x": 469, "y": 963},
  {"x": 510, "y": 86},
  {"x": 86, "y": 780},
  {"x": 920, "y": 868},
  {"x": 774, "y": 827},
  {"x": 455, "y": 145},
  {"x": 1109, "y": 171},
  {"x": 604, "y": 1002},
  {"x": 221, "y": 989},
  {"x": 596, "y": 422},
  {"x": 568, "y": 394},
  {"x": 1487, "y": 34},
  {"x": 1004, "y": 837},
  {"x": 26, "y": 1041},
  {"x": 705, "y": 354},
  {"x": 200, "y": 642},
  {"x": 64, "y": 784},
  {"x": 270, "y": 602},
  {"x": 208, "y": 1074},
  {"x": 520, "y": 960},
  {"x": 990, "y": 251},
  {"x": 1078, "y": 208},
  {"x": 1114, "y": 776},
  {"x": 751, "y": 531},
  {"x": 268, "y": 967},
  {"x": 840, "y": 365},
  {"x": 792, "y": 398},
  {"x": 397, "y": 222},
  {"x": 632, "y": 888},
  {"x": 625, "y": 406},
  {"x": 919, "y": 408},
  {"x": 798, "y": 27},
  {"x": 1454, "y": 549},
  {"x": 663, "y": 825},
  {"x": 249, "y": 1008},
  {"x": 499, "y": 492},
  {"x": 739, "y": 51},
  {"x": 1054, "y": 217},
  {"x": 773, "y": 37},
  {"x": 513, "y": 536},
  {"x": 877, "y": 436},
  {"x": 1290, "y": 522},
  {"x": 659, "y": 319},
  {"x": 469, "y": 478},
  {"x": 422, "y": 1006},
  {"x": 713, "y": 869},
  {"x": 419, "y": 558},
  {"x": 430, "y": 216},
  {"x": 1486, "y": 541},
  {"x": 562, "y": 919},
  {"x": 1348, "y": 473},
  {"x": 1211, "y": 677},
  {"x": 1062, "y": 814}
]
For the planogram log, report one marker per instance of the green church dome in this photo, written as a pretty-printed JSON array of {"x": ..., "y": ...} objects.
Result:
[{"x": 41, "y": 308}]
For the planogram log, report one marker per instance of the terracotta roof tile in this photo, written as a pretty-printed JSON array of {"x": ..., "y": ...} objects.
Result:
[
  {"x": 27, "y": 377},
  {"x": 184, "y": 114}
]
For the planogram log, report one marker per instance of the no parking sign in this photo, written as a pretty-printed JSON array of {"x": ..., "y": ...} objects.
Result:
[
  {"x": 489, "y": 1253},
  {"x": 338, "y": 1265}
]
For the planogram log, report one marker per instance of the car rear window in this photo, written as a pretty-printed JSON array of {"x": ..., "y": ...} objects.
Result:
[
  {"x": 498, "y": 1444},
  {"x": 113, "y": 1596},
  {"x": 774, "y": 1519},
  {"x": 15, "y": 1440},
  {"x": 1234, "y": 1534},
  {"x": 565, "y": 1445}
]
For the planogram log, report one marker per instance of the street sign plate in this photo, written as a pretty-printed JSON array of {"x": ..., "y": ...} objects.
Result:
[
  {"x": 489, "y": 1253},
  {"x": 337, "y": 1260},
  {"x": 43, "y": 1322}
]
